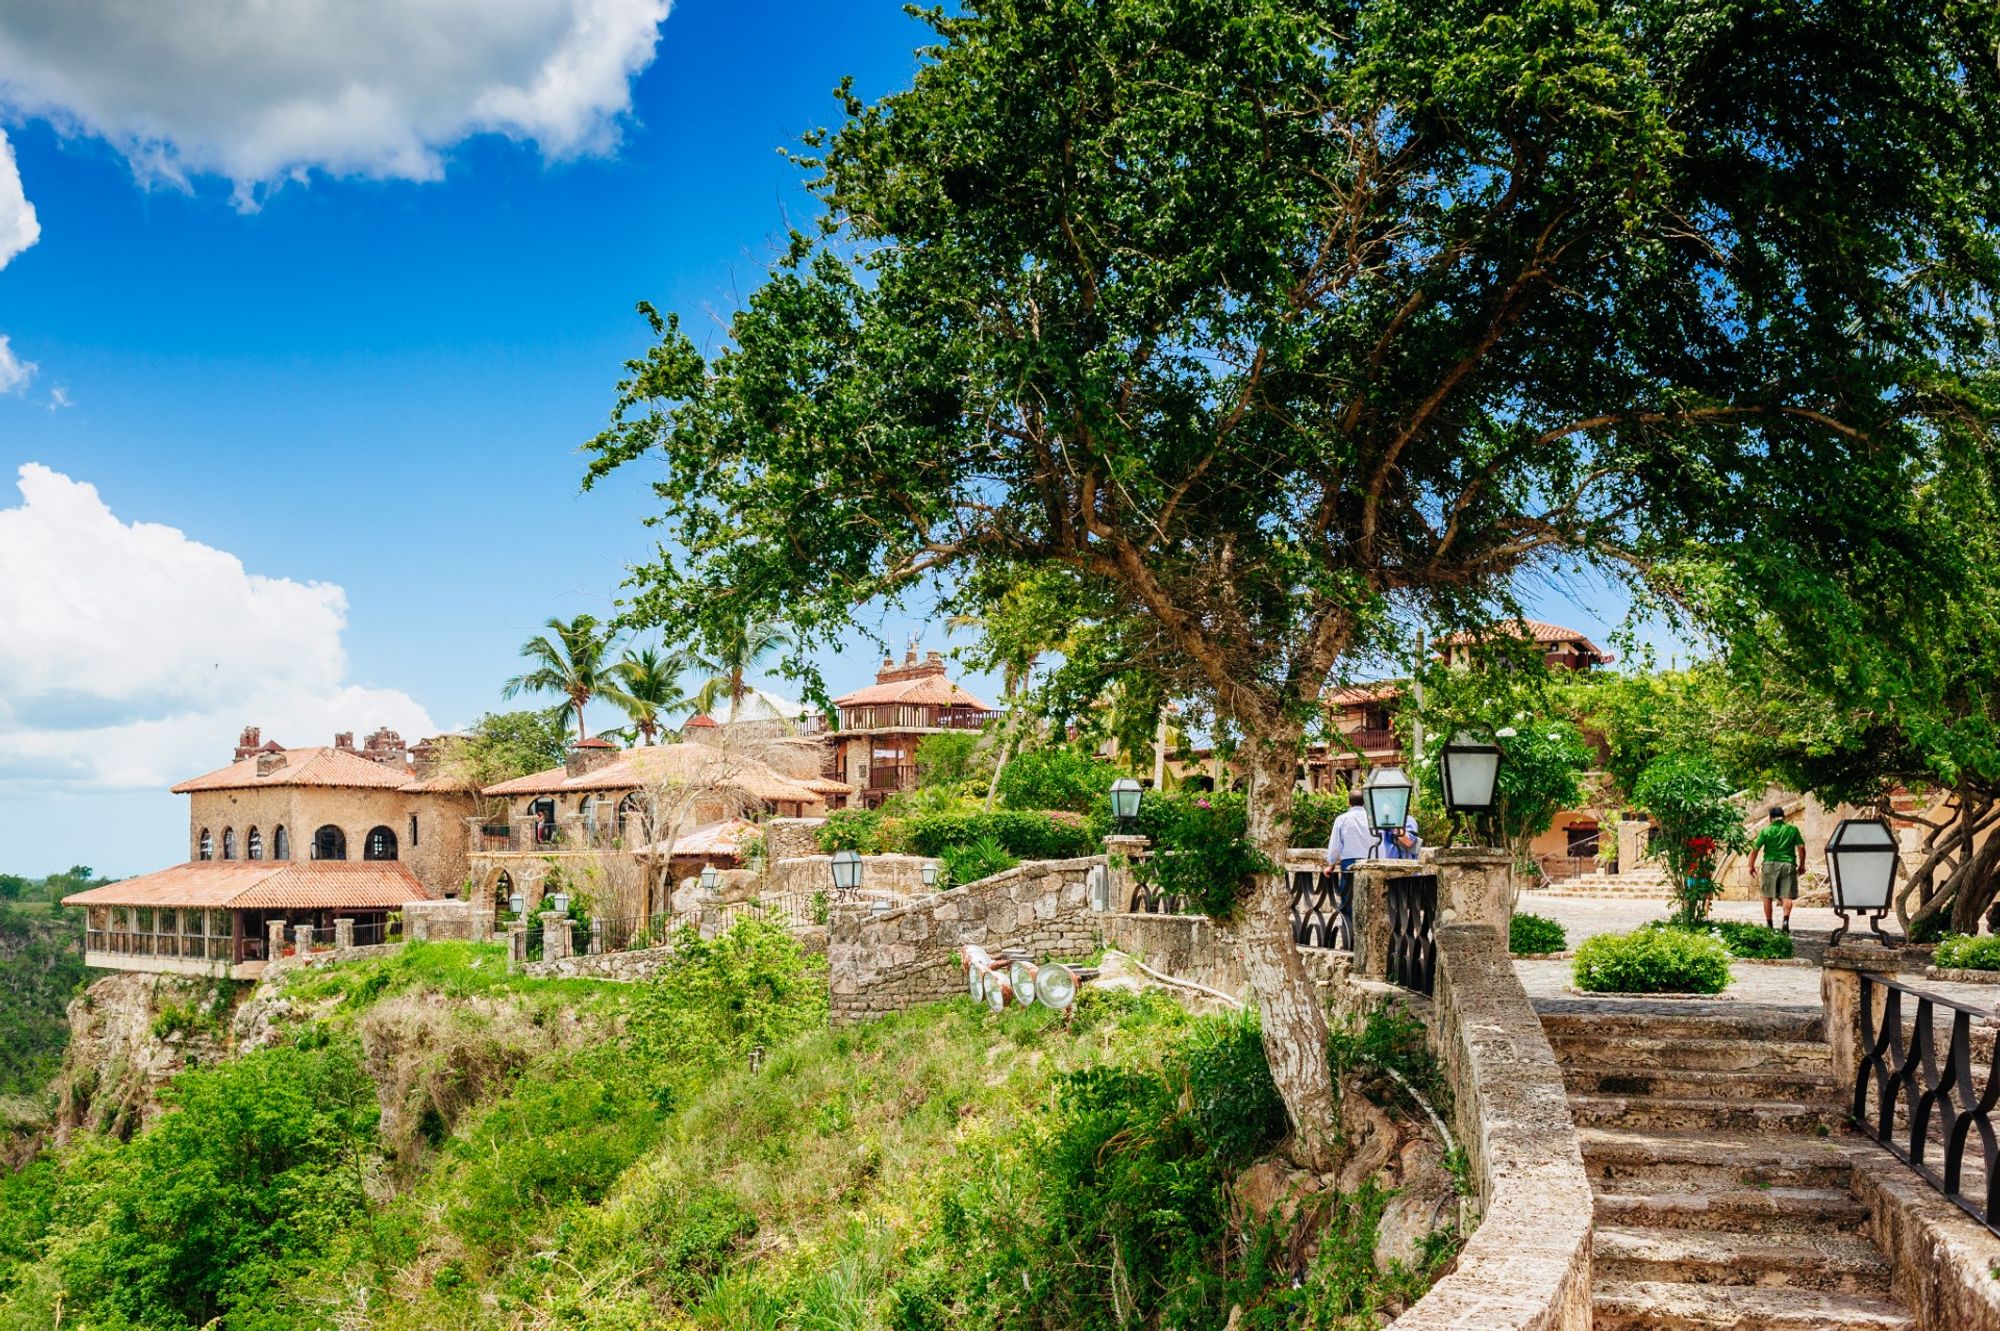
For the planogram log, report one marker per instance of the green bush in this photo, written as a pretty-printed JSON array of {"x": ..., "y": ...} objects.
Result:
[
  {"x": 1754, "y": 941},
  {"x": 1057, "y": 777},
  {"x": 968, "y": 864},
  {"x": 1960, "y": 952},
  {"x": 1652, "y": 961},
  {"x": 1024, "y": 835},
  {"x": 1313, "y": 813},
  {"x": 1200, "y": 855},
  {"x": 1535, "y": 933},
  {"x": 850, "y": 829}
]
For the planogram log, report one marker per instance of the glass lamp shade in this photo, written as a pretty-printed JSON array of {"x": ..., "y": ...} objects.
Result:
[
  {"x": 1125, "y": 797},
  {"x": 1022, "y": 976},
  {"x": 710, "y": 879},
  {"x": 1471, "y": 772},
  {"x": 1861, "y": 864},
  {"x": 846, "y": 869},
  {"x": 930, "y": 873},
  {"x": 559, "y": 903},
  {"x": 1387, "y": 796},
  {"x": 517, "y": 903},
  {"x": 1055, "y": 986}
]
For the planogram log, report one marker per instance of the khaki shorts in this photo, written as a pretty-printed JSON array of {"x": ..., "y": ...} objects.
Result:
[{"x": 1781, "y": 881}]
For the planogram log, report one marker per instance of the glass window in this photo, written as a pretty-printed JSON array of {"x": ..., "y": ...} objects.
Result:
[
  {"x": 207, "y": 851},
  {"x": 228, "y": 843},
  {"x": 253, "y": 845},
  {"x": 281, "y": 843}
]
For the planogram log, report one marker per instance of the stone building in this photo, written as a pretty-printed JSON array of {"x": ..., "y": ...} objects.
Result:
[
  {"x": 875, "y": 748},
  {"x": 291, "y": 837}
]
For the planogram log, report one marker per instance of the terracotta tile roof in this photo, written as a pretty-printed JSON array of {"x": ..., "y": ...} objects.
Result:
[
  {"x": 265, "y": 885},
  {"x": 924, "y": 691},
  {"x": 825, "y": 785},
  {"x": 1532, "y": 629},
  {"x": 690, "y": 764},
  {"x": 319, "y": 766},
  {"x": 1348, "y": 695}
]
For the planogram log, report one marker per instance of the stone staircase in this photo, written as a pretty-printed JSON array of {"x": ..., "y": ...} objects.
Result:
[
  {"x": 1646, "y": 882},
  {"x": 1720, "y": 1167}
]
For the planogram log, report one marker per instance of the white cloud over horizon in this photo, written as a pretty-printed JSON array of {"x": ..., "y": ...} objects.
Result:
[
  {"x": 260, "y": 93},
  {"x": 131, "y": 655},
  {"x": 19, "y": 227}
]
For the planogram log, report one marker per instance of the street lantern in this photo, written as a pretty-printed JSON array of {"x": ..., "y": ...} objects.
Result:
[
  {"x": 1861, "y": 866},
  {"x": 710, "y": 879},
  {"x": 517, "y": 903},
  {"x": 846, "y": 872},
  {"x": 930, "y": 873},
  {"x": 559, "y": 903},
  {"x": 1387, "y": 796},
  {"x": 1470, "y": 769},
  {"x": 1125, "y": 797}
]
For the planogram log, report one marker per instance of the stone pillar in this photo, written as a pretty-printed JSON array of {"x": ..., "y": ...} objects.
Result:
[
  {"x": 274, "y": 939},
  {"x": 1476, "y": 885},
  {"x": 1632, "y": 834},
  {"x": 1120, "y": 854},
  {"x": 343, "y": 935},
  {"x": 555, "y": 936},
  {"x": 517, "y": 943},
  {"x": 1371, "y": 916},
  {"x": 1840, "y": 993},
  {"x": 416, "y": 926},
  {"x": 596, "y": 936},
  {"x": 302, "y": 938}
]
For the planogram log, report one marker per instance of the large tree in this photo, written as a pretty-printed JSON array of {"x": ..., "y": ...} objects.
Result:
[
  {"x": 573, "y": 660},
  {"x": 1272, "y": 324}
]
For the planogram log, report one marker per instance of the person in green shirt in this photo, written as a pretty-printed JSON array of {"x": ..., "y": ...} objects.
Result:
[{"x": 1779, "y": 844}]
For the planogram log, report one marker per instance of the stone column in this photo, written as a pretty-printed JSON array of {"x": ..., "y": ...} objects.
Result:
[
  {"x": 1371, "y": 916},
  {"x": 302, "y": 937},
  {"x": 555, "y": 936},
  {"x": 274, "y": 939},
  {"x": 343, "y": 935},
  {"x": 1476, "y": 885},
  {"x": 1840, "y": 994},
  {"x": 1120, "y": 854}
]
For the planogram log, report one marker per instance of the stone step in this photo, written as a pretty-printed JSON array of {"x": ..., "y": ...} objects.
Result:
[
  {"x": 1667, "y": 1306},
  {"x": 1739, "y": 1211},
  {"x": 1677, "y": 1019},
  {"x": 1718, "y": 1055},
  {"x": 1664, "y": 1114},
  {"x": 1807, "y": 1088},
  {"x": 1719, "y": 1257},
  {"x": 1633, "y": 1162}
]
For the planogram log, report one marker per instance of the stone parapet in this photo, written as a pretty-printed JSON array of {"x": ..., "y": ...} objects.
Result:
[
  {"x": 1527, "y": 1265},
  {"x": 625, "y": 966},
  {"x": 1475, "y": 886}
]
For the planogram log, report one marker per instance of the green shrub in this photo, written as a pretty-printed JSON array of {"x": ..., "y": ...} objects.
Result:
[
  {"x": 1200, "y": 855},
  {"x": 1024, "y": 835},
  {"x": 1754, "y": 941},
  {"x": 1057, "y": 777},
  {"x": 1313, "y": 813},
  {"x": 981, "y": 859},
  {"x": 1535, "y": 933},
  {"x": 1960, "y": 952},
  {"x": 1652, "y": 961},
  {"x": 849, "y": 829}
]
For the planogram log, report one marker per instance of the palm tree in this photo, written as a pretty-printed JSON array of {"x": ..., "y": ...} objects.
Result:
[
  {"x": 747, "y": 644},
  {"x": 649, "y": 685},
  {"x": 573, "y": 660}
]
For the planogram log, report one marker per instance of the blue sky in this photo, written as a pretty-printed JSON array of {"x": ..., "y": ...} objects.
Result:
[{"x": 379, "y": 384}]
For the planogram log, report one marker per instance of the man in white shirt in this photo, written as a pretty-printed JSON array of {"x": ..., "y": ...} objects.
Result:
[
  {"x": 1353, "y": 839},
  {"x": 1403, "y": 845}
]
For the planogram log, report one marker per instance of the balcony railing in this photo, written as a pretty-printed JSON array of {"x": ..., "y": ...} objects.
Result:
[
  {"x": 911, "y": 717},
  {"x": 568, "y": 833},
  {"x": 892, "y": 776}
]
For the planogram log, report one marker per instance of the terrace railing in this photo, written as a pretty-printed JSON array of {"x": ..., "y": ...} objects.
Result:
[
  {"x": 1924, "y": 1108},
  {"x": 1323, "y": 909},
  {"x": 1413, "y": 931}
]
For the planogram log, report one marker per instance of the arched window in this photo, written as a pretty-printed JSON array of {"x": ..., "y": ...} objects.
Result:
[
  {"x": 281, "y": 843},
  {"x": 381, "y": 844},
  {"x": 207, "y": 851},
  {"x": 253, "y": 845},
  {"x": 228, "y": 843},
  {"x": 543, "y": 814},
  {"x": 503, "y": 894},
  {"x": 329, "y": 843}
]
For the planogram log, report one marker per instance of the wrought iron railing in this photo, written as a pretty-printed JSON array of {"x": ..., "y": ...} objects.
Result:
[
  {"x": 1149, "y": 898},
  {"x": 1413, "y": 931},
  {"x": 1925, "y": 1111},
  {"x": 1323, "y": 908}
]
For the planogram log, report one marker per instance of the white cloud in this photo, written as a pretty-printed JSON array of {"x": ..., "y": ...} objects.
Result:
[
  {"x": 260, "y": 92},
  {"x": 14, "y": 372},
  {"x": 19, "y": 228},
  {"x": 130, "y": 655}
]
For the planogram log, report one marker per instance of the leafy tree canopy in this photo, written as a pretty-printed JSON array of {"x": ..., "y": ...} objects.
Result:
[{"x": 503, "y": 745}]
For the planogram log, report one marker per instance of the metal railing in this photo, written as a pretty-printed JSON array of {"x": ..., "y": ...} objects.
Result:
[
  {"x": 375, "y": 932},
  {"x": 1323, "y": 909},
  {"x": 1559, "y": 868},
  {"x": 1413, "y": 931},
  {"x": 1149, "y": 899},
  {"x": 1923, "y": 1110}
]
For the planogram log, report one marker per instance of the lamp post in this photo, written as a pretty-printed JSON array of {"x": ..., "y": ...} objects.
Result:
[
  {"x": 1125, "y": 796},
  {"x": 1469, "y": 769},
  {"x": 846, "y": 868},
  {"x": 1387, "y": 796},
  {"x": 1861, "y": 866}
]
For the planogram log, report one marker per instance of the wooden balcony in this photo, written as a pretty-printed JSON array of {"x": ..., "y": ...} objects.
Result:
[{"x": 891, "y": 776}]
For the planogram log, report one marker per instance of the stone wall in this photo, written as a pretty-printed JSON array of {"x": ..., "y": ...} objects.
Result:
[
  {"x": 900, "y": 874},
  {"x": 633, "y": 965},
  {"x": 435, "y": 921},
  {"x": 903, "y": 957},
  {"x": 1527, "y": 1265},
  {"x": 438, "y": 857},
  {"x": 791, "y": 838}
]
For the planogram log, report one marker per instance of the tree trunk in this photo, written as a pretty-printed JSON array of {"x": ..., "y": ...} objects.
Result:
[{"x": 1294, "y": 1025}]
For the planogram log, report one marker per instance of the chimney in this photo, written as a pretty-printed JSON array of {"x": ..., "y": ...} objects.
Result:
[
  {"x": 385, "y": 746},
  {"x": 424, "y": 758},
  {"x": 588, "y": 755},
  {"x": 268, "y": 763},
  {"x": 344, "y": 740},
  {"x": 248, "y": 742}
]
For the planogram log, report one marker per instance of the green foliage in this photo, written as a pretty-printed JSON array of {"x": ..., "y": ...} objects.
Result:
[
  {"x": 573, "y": 661},
  {"x": 1528, "y": 933},
  {"x": 12, "y": 887},
  {"x": 1056, "y": 776},
  {"x": 1389, "y": 1040},
  {"x": 1753, "y": 941},
  {"x": 1024, "y": 835},
  {"x": 41, "y": 969},
  {"x": 1652, "y": 961},
  {"x": 971, "y": 862},
  {"x": 1689, "y": 796},
  {"x": 850, "y": 829},
  {"x": 1964, "y": 952},
  {"x": 1200, "y": 853},
  {"x": 223, "y": 1200},
  {"x": 717, "y": 999},
  {"x": 500, "y": 746},
  {"x": 1313, "y": 813},
  {"x": 949, "y": 758}
]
